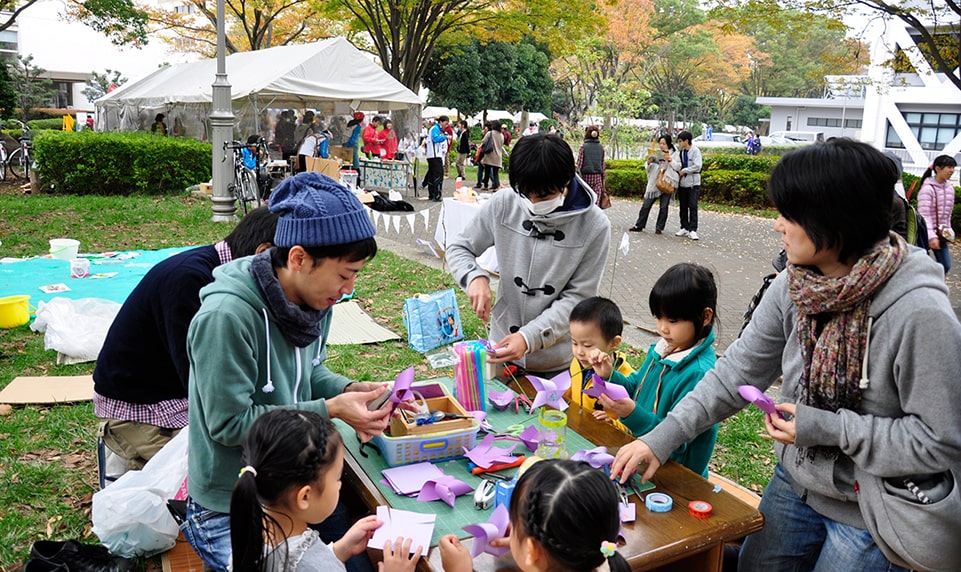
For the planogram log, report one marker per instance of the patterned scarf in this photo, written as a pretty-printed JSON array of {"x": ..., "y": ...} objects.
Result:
[
  {"x": 832, "y": 325},
  {"x": 299, "y": 325}
]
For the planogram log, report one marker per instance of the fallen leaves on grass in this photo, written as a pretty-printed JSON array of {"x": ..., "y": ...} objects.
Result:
[{"x": 5, "y": 409}]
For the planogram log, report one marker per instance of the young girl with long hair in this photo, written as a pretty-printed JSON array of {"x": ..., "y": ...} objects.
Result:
[
  {"x": 563, "y": 517},
  {"x": 936, "y": 203},
  {"x": 291, "y": 478},
  {"x": 684, "y": 302}
]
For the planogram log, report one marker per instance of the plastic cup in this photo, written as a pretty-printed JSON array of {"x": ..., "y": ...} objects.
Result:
[{"x": 551, "y": 434}]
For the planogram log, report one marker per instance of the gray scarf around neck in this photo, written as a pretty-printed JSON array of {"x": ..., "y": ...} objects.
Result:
[{"x": 300, "y": 326}]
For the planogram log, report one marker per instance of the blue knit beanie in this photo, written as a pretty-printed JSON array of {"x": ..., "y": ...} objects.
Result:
[{"x": 316, "y": 210}]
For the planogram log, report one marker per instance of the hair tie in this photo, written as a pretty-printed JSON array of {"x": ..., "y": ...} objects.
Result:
[
  {"x": 248, "y": 469},
  {"x": 608, "y": 548}
]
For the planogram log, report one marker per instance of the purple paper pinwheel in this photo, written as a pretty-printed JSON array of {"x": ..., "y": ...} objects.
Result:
[
  {"x": 485, "y": 454},
  {"x": 551, "y": 391},
  {"x": 608, "y": 388},
  {"x": 486, "y": 532},
  {"x": 598, "y": 457},
  {"x": 446, "y": 488}
]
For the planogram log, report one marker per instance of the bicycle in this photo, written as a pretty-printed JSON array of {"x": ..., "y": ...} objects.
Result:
[
  {"x": 20, "y": 161},
  {"x": 244, "y": 186}
]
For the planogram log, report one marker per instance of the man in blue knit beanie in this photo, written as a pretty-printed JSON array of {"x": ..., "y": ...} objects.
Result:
[{"x": 259, "y": 342}]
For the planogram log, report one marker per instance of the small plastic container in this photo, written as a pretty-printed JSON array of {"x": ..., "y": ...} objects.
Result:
[{"x": 79, "y": 268}]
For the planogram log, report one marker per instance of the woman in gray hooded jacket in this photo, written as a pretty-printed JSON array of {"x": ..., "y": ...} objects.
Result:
[{"x": 861, "y": 331}]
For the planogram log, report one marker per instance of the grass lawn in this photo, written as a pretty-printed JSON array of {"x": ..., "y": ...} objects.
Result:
[{"x": 48, "y": 461}]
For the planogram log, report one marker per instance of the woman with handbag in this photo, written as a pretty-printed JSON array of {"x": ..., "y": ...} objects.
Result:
[
  {"x": 492, "y": 159},
  {"x": 666, "y": 165},
  {"x": 590, "y": 164},
  {"x": 936, "y": 203},
  {"x": 861, "y": 332}
]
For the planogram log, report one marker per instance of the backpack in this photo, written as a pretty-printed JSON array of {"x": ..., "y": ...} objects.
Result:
[{"x": 917, "y": 226}]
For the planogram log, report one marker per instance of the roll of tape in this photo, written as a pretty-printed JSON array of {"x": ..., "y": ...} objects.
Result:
[
  {"x": 658, "y": 502},
  {"x": 700, "y": 509}
]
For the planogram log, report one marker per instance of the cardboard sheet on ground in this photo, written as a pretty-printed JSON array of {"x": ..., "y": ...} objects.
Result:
[
  {"x": 352, "y": 325},
  {"x": 46, "y": 389},
  {"x": 449, "y": 519}
]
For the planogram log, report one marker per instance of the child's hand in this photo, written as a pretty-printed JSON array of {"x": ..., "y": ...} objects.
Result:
[
  {"x": 622, "y": 407},
  {"x": 355, "y": 541},
  {"x": 602, "y": 362},
  {"x": 397, "y": 558},
  {"x": 602, "y": 416},
  {"x": 454, "y": 556}
]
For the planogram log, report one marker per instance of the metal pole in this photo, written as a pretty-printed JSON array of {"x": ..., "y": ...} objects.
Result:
[{"x": 222, "y": 127}]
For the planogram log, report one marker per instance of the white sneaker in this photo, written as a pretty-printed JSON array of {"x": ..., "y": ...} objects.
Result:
[
  {"x": 692, "y": 235},
  {"x": 682, "y": 232}
]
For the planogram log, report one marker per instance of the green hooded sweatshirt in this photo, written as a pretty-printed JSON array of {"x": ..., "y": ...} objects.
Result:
[{"x": 241, "y": 366}]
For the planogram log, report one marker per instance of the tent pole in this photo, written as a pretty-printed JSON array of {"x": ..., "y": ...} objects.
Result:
[{"x": 222, "y": 127}]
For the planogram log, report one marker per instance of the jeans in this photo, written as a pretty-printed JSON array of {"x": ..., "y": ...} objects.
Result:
[
  {"x": 797, "y": 538},
  {"x": 208, "y": 532},
  {"x": 492, "y": 175},
  {"x": 664, "y": 201},
  {"x": 943, "y": 256},
  {"x": 435, "y": 177},
  {"x": 687, "y": 200}
]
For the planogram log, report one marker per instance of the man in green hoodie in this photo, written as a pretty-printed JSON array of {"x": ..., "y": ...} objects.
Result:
[{"x": 259, "y": 343}]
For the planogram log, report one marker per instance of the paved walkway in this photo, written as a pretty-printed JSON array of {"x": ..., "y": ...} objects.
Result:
[{"x": 737, "y": 248}]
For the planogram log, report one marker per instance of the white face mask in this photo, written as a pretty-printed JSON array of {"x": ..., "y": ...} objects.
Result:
[{"x": 543, "y": 207}]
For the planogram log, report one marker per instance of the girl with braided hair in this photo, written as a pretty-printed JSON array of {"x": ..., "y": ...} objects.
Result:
[
  {"x": 564, "y": 518},
  {"x": 291, "y": 479}
]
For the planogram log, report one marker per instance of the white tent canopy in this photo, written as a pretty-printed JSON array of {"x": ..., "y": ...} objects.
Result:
[{"x": 331, "y": 77}]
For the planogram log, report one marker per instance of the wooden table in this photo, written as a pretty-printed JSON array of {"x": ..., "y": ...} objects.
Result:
[{"x": 655, "y": 541}]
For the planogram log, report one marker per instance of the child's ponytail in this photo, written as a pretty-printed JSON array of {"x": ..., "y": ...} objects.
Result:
[{"x": 247, "y": 525}]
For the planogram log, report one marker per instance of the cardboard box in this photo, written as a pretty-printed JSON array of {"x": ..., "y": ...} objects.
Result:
[
  {"x": 329, "y": 167},
  {"x": 345, "y": 154}
]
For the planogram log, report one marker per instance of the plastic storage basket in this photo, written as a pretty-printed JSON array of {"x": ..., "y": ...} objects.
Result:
[
  {"x": 411, "y": 443},
  {"x": 429, "y": 447}
]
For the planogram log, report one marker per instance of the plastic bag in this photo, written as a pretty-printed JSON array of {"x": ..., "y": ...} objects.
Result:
[
  {"x": 75, "y": 328},
  {"x": 130, "y": 516}
]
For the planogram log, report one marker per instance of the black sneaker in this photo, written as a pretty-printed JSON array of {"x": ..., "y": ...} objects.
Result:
[
  {"x": 37, "y": 565},
  {"x": 78, "y": 557},
  {"x": 635, "y": 228}
]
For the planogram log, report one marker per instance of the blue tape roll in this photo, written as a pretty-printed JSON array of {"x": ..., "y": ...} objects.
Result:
[{"x": 658, "y": 502}]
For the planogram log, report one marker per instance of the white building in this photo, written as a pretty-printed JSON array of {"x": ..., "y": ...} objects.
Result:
[
  {"x": 70, "y": 51},
  {"x": 917, "y": 115}
]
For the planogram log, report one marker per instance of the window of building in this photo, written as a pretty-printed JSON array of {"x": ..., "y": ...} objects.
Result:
[
  {"x": 185, "y": 9},
  {"x": 932, "y": 130},
  {"x": 63, "y": 95}
]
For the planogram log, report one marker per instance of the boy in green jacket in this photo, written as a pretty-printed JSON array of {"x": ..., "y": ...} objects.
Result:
[{"x": 259, "y": 343}]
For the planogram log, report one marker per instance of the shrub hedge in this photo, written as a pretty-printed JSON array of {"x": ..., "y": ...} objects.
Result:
[{"x": 119, "y": 163}]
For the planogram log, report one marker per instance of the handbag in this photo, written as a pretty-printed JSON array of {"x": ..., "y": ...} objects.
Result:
[
  {"x": 432, "y": 320},
  {"x": 605, "y": 202},
  {"x": 487, "y": 146},
  {"x": 912, "y": 527},
  {"x": 666, "y": 183}
]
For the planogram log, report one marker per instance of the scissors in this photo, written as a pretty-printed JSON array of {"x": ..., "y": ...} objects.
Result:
[{"x": 512, "y": 431}]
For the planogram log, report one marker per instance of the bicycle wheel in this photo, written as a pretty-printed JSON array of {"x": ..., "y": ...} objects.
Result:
[
  {"x": 251, "y": 192},
  {"x": 3, "y": 167},
  {"x": 17, "y": 164},
  {"x": 235, "y": 190}
]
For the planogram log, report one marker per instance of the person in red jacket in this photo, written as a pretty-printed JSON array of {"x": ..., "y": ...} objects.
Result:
[{"x": 373, "y": 141}]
